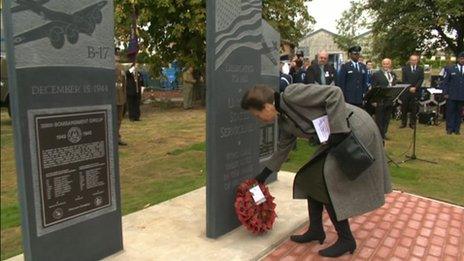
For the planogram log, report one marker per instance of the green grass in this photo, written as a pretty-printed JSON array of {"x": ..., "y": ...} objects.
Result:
[{"x": 166, "y": 158}]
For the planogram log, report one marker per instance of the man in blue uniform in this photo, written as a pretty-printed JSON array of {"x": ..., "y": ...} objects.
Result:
[
  {"x": 300, "y": 73},
  {"x": 370, "y": 72},
  {"x": 285, "y": 77},
  {"x": 453, "y": 89},
  {"x": 352, "y": 78}
]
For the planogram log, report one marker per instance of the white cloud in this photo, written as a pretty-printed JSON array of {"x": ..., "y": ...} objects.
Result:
[{"x": 326, "y": 12}]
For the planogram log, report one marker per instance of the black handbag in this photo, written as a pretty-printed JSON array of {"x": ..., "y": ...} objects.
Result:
[{"x": 352, "y": 156}]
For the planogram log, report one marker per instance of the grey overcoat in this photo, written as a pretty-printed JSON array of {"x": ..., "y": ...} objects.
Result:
[{"x": 301, "y": 103}]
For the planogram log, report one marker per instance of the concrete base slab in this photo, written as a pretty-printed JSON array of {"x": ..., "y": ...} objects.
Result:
[{"x": 176, "y": 229}]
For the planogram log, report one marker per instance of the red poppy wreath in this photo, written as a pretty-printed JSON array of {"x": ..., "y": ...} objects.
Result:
[{"x": 256, "y": 217}]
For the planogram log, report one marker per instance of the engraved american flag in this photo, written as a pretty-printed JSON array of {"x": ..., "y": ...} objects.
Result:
[{"x": 238, "y": 24}]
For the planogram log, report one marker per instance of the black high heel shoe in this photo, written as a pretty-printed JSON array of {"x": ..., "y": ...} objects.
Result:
[{"x": 339, "y": 248}]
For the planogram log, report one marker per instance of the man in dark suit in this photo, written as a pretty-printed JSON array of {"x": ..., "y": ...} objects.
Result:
[
  {"x": 352, "y": 78},
  {"x": 383, "y": 78},
  {"x": 134, "y": 92},
  {"x": 321, "y": 72},
  {"x": 413, "y": 74},
  {"x": 453, "y": 89}
]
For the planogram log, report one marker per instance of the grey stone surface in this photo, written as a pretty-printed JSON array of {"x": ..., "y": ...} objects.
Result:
[
  {"x": 175, "y": 229},
  {"x": 234, "y": 44},
  {"x": 61, "y": 73}
]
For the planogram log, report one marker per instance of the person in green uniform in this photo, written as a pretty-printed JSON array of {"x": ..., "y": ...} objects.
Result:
[
  {"x": 187, "y": 91},
  {"x": 321, "y": 181}
]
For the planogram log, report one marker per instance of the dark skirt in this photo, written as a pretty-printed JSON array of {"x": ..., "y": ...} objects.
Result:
[{"x": 310, "y": 182}]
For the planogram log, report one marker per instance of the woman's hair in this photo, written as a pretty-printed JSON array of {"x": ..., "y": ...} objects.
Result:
[{"x": 257, "y": 97}]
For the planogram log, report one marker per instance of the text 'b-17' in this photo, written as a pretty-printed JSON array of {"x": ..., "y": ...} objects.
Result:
[{"x": 61, "y": 25}]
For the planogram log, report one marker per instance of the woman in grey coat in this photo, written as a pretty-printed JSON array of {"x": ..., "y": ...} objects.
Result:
[{"x": 321, "y": 181}]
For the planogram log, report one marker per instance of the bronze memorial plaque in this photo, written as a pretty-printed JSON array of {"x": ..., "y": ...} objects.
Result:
[{"x": 73, "y": 164}]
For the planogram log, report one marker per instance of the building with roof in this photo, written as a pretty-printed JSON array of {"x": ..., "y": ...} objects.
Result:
[{"x": 323, "y": 39}]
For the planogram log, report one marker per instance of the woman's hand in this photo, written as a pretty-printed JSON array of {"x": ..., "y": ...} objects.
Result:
[{"x": 261, "y": 177}]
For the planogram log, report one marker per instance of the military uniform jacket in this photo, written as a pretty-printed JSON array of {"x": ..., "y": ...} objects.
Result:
[
  {"x": 353, "y": 82},
  {"x": 369, "y": 78},
  {"x": 308, "y": 102},
  {"x": 299, "y": 76},
  {"x": 313, "y": 74},
  {"x": 120, "y": 85},
  {"x": 453, "y": 83},
  {"x": 188, "y": 79},
  {"x": 285, "y": 80}
]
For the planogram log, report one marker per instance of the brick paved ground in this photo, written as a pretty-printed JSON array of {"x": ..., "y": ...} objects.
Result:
[{"x": 407, "y": 227}]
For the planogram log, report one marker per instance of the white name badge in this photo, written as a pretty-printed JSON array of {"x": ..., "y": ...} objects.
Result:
[
  {"x": 327, "y": 74},
  {"x": 258, "y": 195},
  {"x": 322, "y": 127}
]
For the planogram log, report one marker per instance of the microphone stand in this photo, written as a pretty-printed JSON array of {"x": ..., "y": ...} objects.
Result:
[{"x": 413, "y": 156}]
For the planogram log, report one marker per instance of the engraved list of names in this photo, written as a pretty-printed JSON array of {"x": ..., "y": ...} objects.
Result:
[{"x": 73, "y": 164}]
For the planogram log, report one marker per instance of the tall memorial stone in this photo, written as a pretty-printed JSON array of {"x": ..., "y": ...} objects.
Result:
[
  {"x": 61, "y": 71},
  {"x": 234, "y": 44}
]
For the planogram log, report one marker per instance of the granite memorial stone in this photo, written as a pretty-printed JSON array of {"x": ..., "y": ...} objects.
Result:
[
  {"x": 61, "y": 72},
  {"x": 237, "y": 58}
]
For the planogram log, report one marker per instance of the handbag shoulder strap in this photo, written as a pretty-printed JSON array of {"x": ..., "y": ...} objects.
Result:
[{"x": 348, "y": 119}]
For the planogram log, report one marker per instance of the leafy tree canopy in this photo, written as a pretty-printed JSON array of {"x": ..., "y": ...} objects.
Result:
[
  {"x": 353, "y": 22},
  {"x": 402, "y": 27},
  {"x": 176, "y": 29}
]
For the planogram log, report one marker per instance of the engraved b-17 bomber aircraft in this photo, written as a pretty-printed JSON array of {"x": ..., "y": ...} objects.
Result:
[{"x": 60, "y": 24}]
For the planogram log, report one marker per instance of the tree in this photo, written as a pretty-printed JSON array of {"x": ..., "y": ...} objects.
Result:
[
  {"x": 290, "y": 17},
  {"x": 176, "y": 29},
  {"x": 402, "y": 27},
  {"x": 168, "y": 30},
  {"x": 431, "y": 23},
  {"x": 352, "y": 23}
]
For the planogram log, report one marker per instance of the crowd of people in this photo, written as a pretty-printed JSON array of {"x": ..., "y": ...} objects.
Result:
[{"x": 356, "y": 78}]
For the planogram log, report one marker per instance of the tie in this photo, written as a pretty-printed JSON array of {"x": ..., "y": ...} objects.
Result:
[
  {"x": 390, "y": 80},
  {"x": 322, "y": 76},
  {"x": 357, "y": 68}
]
